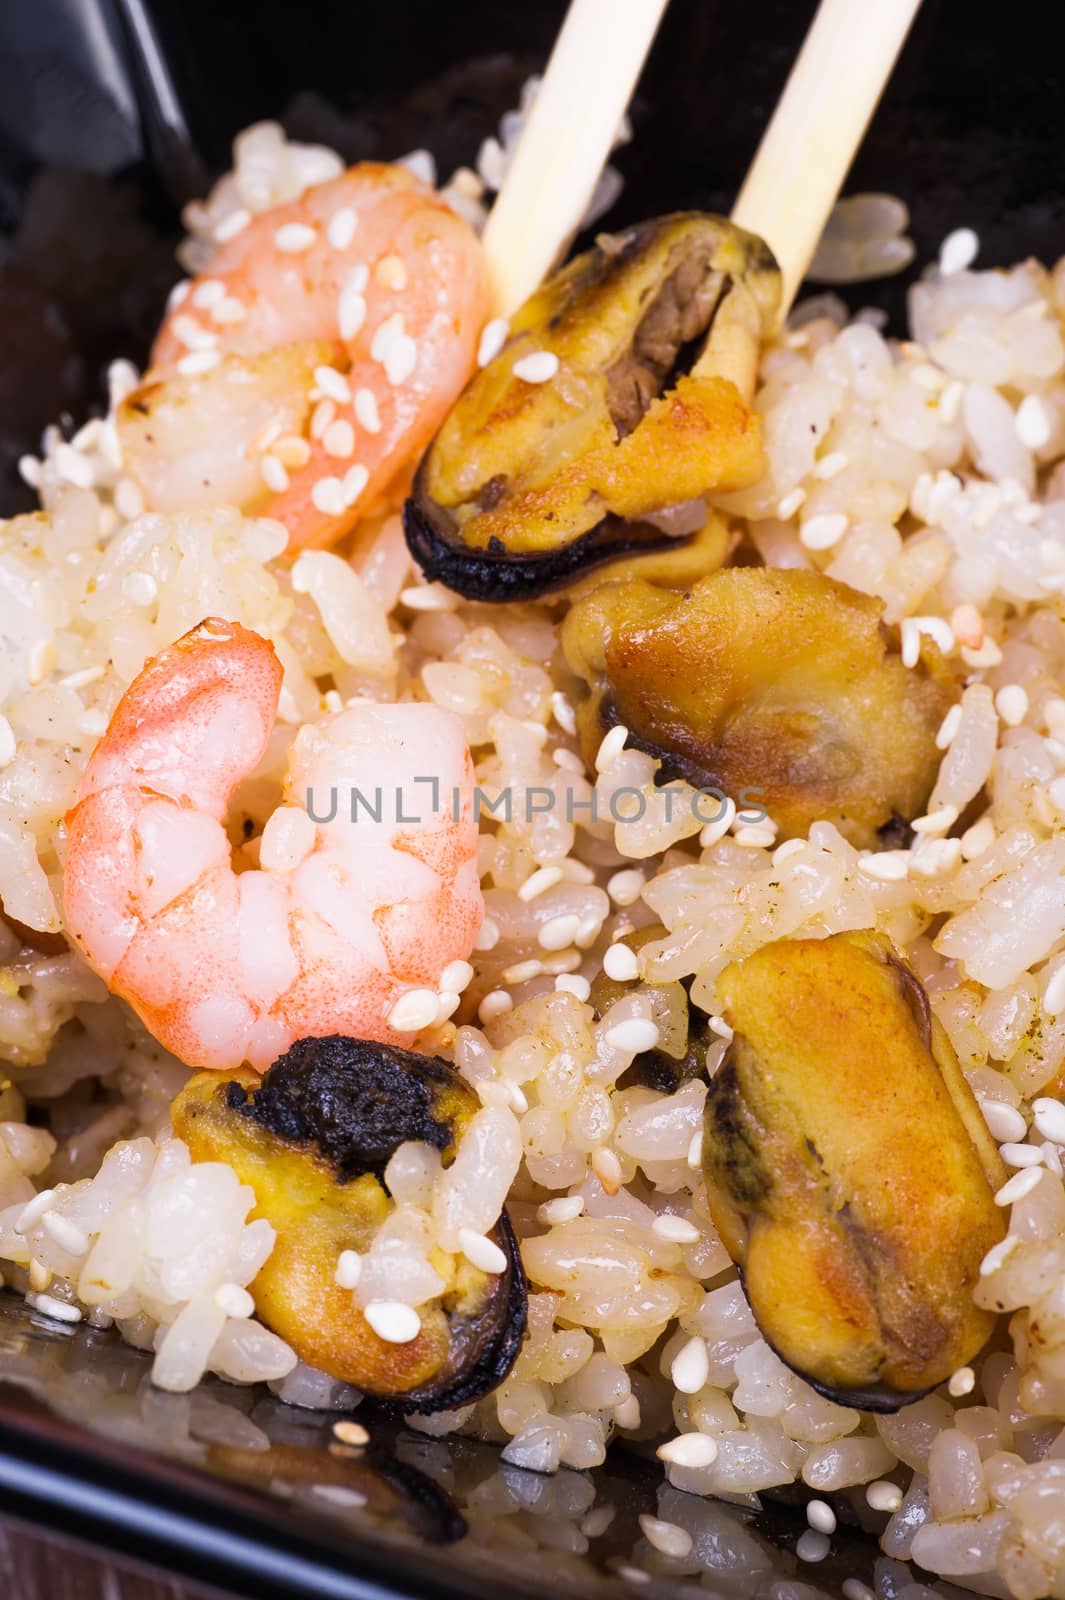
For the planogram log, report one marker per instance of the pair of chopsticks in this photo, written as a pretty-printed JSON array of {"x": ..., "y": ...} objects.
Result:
[{"x": 805, "y": 153}]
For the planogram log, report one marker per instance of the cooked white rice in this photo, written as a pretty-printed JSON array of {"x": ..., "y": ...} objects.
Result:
[{"x": 935, "y": 470}]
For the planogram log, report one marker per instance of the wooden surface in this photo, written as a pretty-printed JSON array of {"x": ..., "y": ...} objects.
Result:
[{"x": 41, "y": 1567}]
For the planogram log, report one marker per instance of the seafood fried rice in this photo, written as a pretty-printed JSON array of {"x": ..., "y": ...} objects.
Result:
[{"x": 661, "y": 1132}]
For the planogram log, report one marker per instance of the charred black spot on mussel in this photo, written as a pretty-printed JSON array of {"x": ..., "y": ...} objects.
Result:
[
  {"x": 313, "y": 1139},
  {"x": 656, "y": 335},
  {"x": 849, "y": 1171}
]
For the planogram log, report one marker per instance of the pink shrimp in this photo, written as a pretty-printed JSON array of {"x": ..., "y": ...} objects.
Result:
[
  {"x": 308, "y": 367},
  {"x": 341, "y": 918}
]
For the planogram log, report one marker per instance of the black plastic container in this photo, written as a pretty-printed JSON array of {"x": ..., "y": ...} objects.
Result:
[{"x": 141, "y": 98}]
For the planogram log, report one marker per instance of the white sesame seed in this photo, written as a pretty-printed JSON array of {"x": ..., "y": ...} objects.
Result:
[
  {"x": 719, "y": 1026},
  {"x": 611, "y": 747},
  {"x": 74, "y": 467},
  {"x": 413, "y": 1011},
  {"x": 820, "y": 1516},
  {"x": 351, "y": 311},
  {"x": 34, "y": 1210},
  {"x": 621, "y": 963},
  {"x": 539, "y": 882},
  {"x": 495, "y": 1004},
  {"x": 93, "y": 724},
  {"x": 883, "y": 1496},
  {"x": 391, "y": 273},
  {"x": 293, "y": 238},
  {"x": 790, "y": 503},
  {"x": 937, "y": 629},
  {"x": 961, "y": 1382},
  {"x": 61, "y": 1310},
  {"x": 626, "y": 886},
  {"x": 713, "y": 831},
  {"x": 393, "y": 1321},
  {"x": 822, "y": 532},
  {"x": 689, "y": 1450},
  {"x": 627, "y": 1414},
  {"x": 230, "y": 226},
  {"x": 394, "y": 349},
  {"x": 855, "y": 1589},
  {"x": 1020, "y": 1185},
  {"x": 930, "y": 858},
  {"x": 630, "y": 1574},
  {"x": 352, "y": 1433},
  {"x": 481, "y": 1251},
  {"x": 812, "y": 1546},
  {"x": 447, "y": 1003},
  {"x": 559, "y": 932},
  {"x": 428, "y": 597},
  {"x": 197, "y": 362},
  {"x": 988, "y": 655},
  {"x": 690, "y": 1367},
  {"x": 333, "y": 385},
  {"x": 756, "y": 835},
  {"x": 666, "y": 1537},
  {"x": 29, "y": 469},
  {"x": 1020, "y": 1155},
  {"x": 1049, "y": 1117},
  {"x": 633, "y": 1035},
  {"x": 695, "y": 1151},
  {"x": 539, "y": 367},
  {"x": 273, "y": 474},
  {"x": 67, "y": 1235},
  {"x": 129, "y": 502},
  {"x": 564, "y": 1209},
  {"x": 607, "y": 1169},
  {"x": 208, "y": 292},
  {"x": 1032, "y": 422},
  {"x": 355, "y": 480},
  {"x": 948, "y": 728},
  {"x": 832, "y": 465},
  {"x": 291, "y": 450},
  {"x": 573, "y": 983},
  {"x": 8, "y": 743},
  {"x": 194, "y": 337},
  {"x": 327, "y": 496},
  {"x": 1054, "y": 994},
  {"x": 493, "y": 338},
  {"x": 340, "y": 229},
  {"x": 889, "y": 866},
  {"x": 43, "y": 656},
  {"x": 978, "y": 838},
  {"x": 675, "y": 1230},
  {"x": 967, "y": 625},
  {"x": 1003, "y": 1121},
  {"x": 456, "y": 976},
  {"x": 939, "y": 821},
  {"x": 366, "y": 412},
  {"x": 40, "y": 1276},
  {"x": 339, "y": 439},
  {"x": 228, "y": 311},
  {"x": 139, "y": 588},
  {"x": 958, "y": 251},
  {"x": 234, "y": 1300},
  {"x": 999, "y": 1254},
  {"x": 178, "y": 294},
  {"x": 1011, "y": 703},
  {"x": 348, "y": 1269}
]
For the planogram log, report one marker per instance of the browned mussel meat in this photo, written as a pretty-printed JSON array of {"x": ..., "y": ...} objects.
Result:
[
  {"x": 849, "y": 1170},
  {"x": 650, "y": 344},
  {"x": 312, "y": 1139},
  {"x": 785, "y": 684}
]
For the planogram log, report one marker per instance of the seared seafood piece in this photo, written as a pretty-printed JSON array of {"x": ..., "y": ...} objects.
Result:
[
  {"x": 849, "y": 1170},
  {"x": 366, "y": 887},
  {"x": 308, "y": 366},
  {"x": 313, "y": 1138},
  {"x": 623, "y": 392},
  {"x": 780, "y": 682}
]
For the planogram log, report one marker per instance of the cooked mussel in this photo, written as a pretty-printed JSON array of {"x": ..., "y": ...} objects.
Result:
[
  {"x": 312, "y": 1138},
  {"x": 781, "y": 682},
  {"x": 650, "y": 344},
  {"x": 849, "y": 1171},
  {"x": 684, "y": 1034}
]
